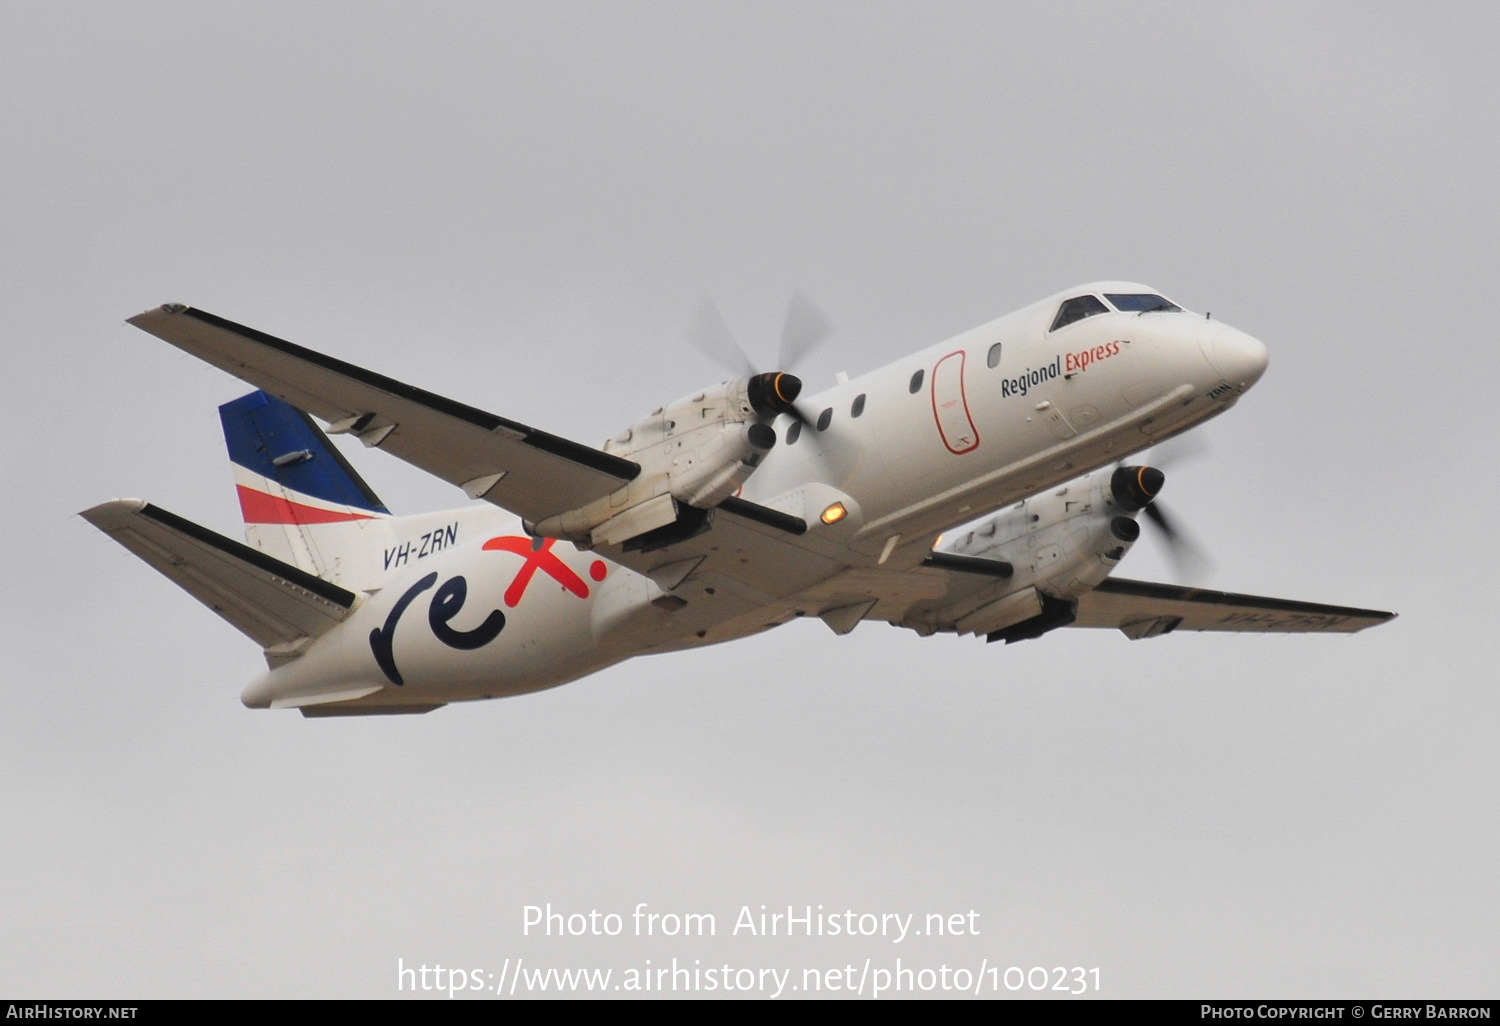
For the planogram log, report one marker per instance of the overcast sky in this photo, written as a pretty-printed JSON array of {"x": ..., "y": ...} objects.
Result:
[{"x": 518, "y": 205}]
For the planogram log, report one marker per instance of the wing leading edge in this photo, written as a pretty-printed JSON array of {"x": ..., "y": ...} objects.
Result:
[{"x": 519, "y": 468}]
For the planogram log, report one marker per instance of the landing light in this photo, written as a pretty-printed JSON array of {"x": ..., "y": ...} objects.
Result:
[{"x": 833, "y": 514}]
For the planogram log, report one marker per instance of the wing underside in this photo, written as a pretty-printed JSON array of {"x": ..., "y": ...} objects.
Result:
[
  {"x": 943, "y": 596},
  {"x": 1143, "y": 610},
  {"x": 519, "y": 468}
]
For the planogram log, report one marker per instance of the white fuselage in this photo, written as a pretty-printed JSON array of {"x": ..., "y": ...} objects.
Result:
[{"x": 941, "y": 437}]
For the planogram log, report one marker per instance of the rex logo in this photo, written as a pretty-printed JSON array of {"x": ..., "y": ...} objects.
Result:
[{"x": 448, "y": 601}]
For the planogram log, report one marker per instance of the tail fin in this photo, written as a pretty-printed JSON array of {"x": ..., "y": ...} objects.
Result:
[{"x": 302, "y": 501}]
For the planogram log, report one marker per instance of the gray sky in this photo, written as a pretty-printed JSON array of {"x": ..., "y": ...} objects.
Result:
[{"x": 519, "y": 206}]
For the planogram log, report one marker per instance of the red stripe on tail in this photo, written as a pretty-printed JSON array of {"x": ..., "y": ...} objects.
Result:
[{"x": 260, "y": 508}]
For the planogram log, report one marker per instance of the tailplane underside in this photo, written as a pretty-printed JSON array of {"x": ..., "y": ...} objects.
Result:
[{"x": 277, "y": 605}]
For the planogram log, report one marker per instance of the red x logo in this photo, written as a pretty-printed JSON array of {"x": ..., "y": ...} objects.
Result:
[{"x": 540, "y": 557}]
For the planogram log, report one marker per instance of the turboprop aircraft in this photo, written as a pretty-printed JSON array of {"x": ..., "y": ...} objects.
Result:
[{"x": 978, "y": 487}]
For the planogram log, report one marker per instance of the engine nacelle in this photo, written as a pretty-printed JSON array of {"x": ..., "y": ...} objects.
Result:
[
  {"x": 696, "y": 452},
  {"x": 1059, "y": 546}
]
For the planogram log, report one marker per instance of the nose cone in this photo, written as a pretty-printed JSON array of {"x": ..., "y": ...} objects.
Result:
[{"x": 1238, "y": 358}]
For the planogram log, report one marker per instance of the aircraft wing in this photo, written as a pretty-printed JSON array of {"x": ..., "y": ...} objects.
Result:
[
  {"x": 744, "y": 569},
  {"x": 519, "y": 468},
  {"x": 974, "y": 596},
  {"x": 1144, "y": 610},
  {"x": 753, "y": 567}
]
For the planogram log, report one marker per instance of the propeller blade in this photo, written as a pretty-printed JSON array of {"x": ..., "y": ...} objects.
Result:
[
  {"x": 1189, "y": 560},
  {"x": 711, "y": 336},
  {"x": 1158, "y": 516},
  {"x": 806, "y": 326},
  {"x": 812, "y": 437}
]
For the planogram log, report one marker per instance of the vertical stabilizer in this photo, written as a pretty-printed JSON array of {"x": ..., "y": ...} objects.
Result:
[{"x": 302, "y": 501}]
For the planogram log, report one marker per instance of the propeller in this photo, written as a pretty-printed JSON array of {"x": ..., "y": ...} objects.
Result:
[
  {"x": 1188, "y": 559},
  {"x": 712, "y": 337},
  {"x": 1139, "y": 486},
  {"x": 806, "y": 325}
]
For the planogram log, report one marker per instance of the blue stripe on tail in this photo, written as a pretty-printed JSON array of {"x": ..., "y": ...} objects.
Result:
[{"x": 273, "y": 438}]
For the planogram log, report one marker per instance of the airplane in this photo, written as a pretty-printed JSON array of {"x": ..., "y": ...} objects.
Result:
[{"x": 977, "y": 487}]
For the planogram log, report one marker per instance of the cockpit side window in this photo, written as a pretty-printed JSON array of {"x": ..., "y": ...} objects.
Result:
[
  {"x": 1076, "y": 309},
  {"x": 1142, "y": 302}
]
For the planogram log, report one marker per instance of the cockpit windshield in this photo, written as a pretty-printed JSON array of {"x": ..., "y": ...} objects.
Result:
[
  {"x": 1076, "y": 309},
  {"x": 1142, "y": 302}
]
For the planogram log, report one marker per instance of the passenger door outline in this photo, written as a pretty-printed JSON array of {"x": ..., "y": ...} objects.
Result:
[{"x": 950, "y": 405}]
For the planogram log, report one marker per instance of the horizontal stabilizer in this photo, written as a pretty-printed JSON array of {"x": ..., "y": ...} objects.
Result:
[
  {"x": 274, "y": 603},
  {"x": 1144, "y": 610}
]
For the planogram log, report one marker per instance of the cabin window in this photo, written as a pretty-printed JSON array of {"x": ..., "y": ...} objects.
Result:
[
  {"x": 859, "y": 405},
  {"x": 994, "y": 358},
  {"x": 793, "y": 432},
  {"x": 1076, "y": 309},
  {"x": 824, "y": 419},
  {"x": 1143, "y": 302},
  {"x": 916, "y": 383}
]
